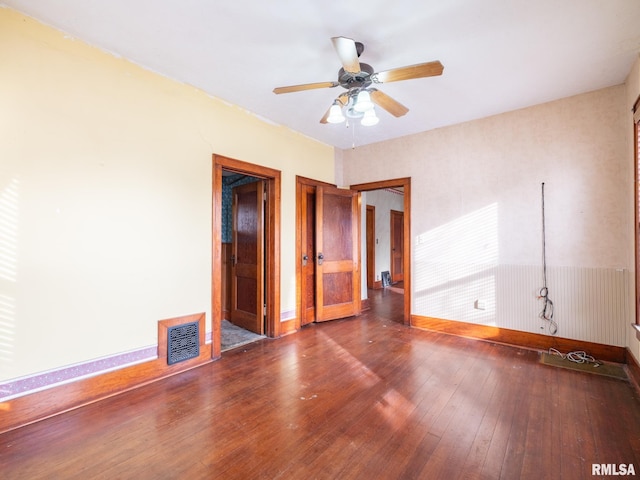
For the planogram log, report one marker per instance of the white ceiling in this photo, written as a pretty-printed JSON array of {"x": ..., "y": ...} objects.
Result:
[{"x": 498, "y": 55}]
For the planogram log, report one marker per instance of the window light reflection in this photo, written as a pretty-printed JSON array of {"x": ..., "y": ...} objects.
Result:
[{"x": 455, "y": 267}]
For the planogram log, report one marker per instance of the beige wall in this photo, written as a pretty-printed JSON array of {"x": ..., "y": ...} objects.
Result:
[
  {"x": 476, "y": 215},
  {"x": 105, "y": 197}
]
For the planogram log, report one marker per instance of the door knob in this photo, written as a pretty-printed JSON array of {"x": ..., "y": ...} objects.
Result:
[
  {"x": 304, "y": 260},
  {"x": 320, "y": 258}
]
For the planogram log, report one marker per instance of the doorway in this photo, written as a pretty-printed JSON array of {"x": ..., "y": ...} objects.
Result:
[
  {"x": 266, "y": 298},
  {"x": 402, "y": 235}
]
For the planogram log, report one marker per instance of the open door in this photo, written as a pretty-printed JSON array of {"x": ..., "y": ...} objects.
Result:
[
  {"x": 247, "y": 269},
  {"x": 397, "y": 246},
  {"x": 337, "y": 253}
]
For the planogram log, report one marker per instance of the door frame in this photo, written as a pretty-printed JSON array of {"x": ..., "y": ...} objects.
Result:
[
  {"x": 272, "y": 180},
  {"x": 405, "y": 184}
]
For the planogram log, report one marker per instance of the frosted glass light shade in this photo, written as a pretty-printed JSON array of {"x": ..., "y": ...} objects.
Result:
[
  {"x": 335, "y": 114},
  {"x": 370, "y": 118},
  {"x": 363, "y": 102}
]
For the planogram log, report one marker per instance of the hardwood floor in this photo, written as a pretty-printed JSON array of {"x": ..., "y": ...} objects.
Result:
[{"x": 361, "y": 398}]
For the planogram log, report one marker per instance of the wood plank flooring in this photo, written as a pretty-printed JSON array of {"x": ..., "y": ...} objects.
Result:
[{"x": 361, "y": 398}]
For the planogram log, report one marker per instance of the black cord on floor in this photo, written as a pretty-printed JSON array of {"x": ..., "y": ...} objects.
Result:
[{"x": 547, "y": 309}]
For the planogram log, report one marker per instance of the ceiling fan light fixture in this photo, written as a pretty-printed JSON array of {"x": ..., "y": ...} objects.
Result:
[
  {"x": 335, "y": 114},
  {"x": 357, "y": 79},
  {"x": 352, "y": 113},
  {"x": 363, "y": 102},
  {"x": 370, "y": 118}
]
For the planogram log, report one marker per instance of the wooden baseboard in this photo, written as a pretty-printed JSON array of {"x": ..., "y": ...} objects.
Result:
[
  {"x": 31, "y": 408},
  {"x": 38, "y": 406},
  {"x": 365, "y": 304},
  {"x": 520, "y": 339},
  {"x": 633, "y": 371},
  {"x": 288, "y": 327}
]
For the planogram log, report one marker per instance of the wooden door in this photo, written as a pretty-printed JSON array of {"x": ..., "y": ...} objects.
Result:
[
  {"x": 308, "y": 254},
  {"x": 247, "y": 271},
  {"x": 337, "y": 253},
  {"x": 371, "y": 246},
  {"x": 397, "y": 246}
]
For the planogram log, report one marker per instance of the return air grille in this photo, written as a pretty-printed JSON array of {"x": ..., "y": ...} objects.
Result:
[{"x": 182, "y": 342}]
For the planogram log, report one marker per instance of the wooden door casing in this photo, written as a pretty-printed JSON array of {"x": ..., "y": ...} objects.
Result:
[
  {"x": 272, "y": 225},
  {"x": 405, "y": 185},
  {"x": 636, "y": 168}
]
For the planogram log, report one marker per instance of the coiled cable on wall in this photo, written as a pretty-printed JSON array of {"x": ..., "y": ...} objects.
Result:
[{"x": 547, "y": 309}]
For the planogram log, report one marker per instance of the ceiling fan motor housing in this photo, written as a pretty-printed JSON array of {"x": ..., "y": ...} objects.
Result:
[{"x": 362, "y": 79}]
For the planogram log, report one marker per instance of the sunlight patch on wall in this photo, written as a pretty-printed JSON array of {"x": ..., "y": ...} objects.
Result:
[
  {"x": 455, "y": 267},
  {"x": 9, "y": 231},
  {"x": 7, "y": 333},
  {"x": 8, "y": 269}
]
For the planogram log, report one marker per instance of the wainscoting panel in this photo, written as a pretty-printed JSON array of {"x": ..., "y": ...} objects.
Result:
[{"x": 590, "y": 304}]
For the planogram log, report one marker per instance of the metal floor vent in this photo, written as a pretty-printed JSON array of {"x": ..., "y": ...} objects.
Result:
[{"x": 182, "y": 342}]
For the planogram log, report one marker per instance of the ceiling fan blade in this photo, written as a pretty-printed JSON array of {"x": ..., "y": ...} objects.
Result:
[
  {"x": 326, "y": 115},
  {"x": 348, "y": 54},
  {"x": 392, "y": 106},
  {"x": 429, "y": 69},
  {"x": 306, "y": 86}
]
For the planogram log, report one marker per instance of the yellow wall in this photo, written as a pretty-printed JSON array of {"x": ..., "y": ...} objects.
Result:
[{"x": 105, "y": 197}]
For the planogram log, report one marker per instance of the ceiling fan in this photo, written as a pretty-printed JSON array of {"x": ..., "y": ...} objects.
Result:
[{"x": 357, "y": 78}]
